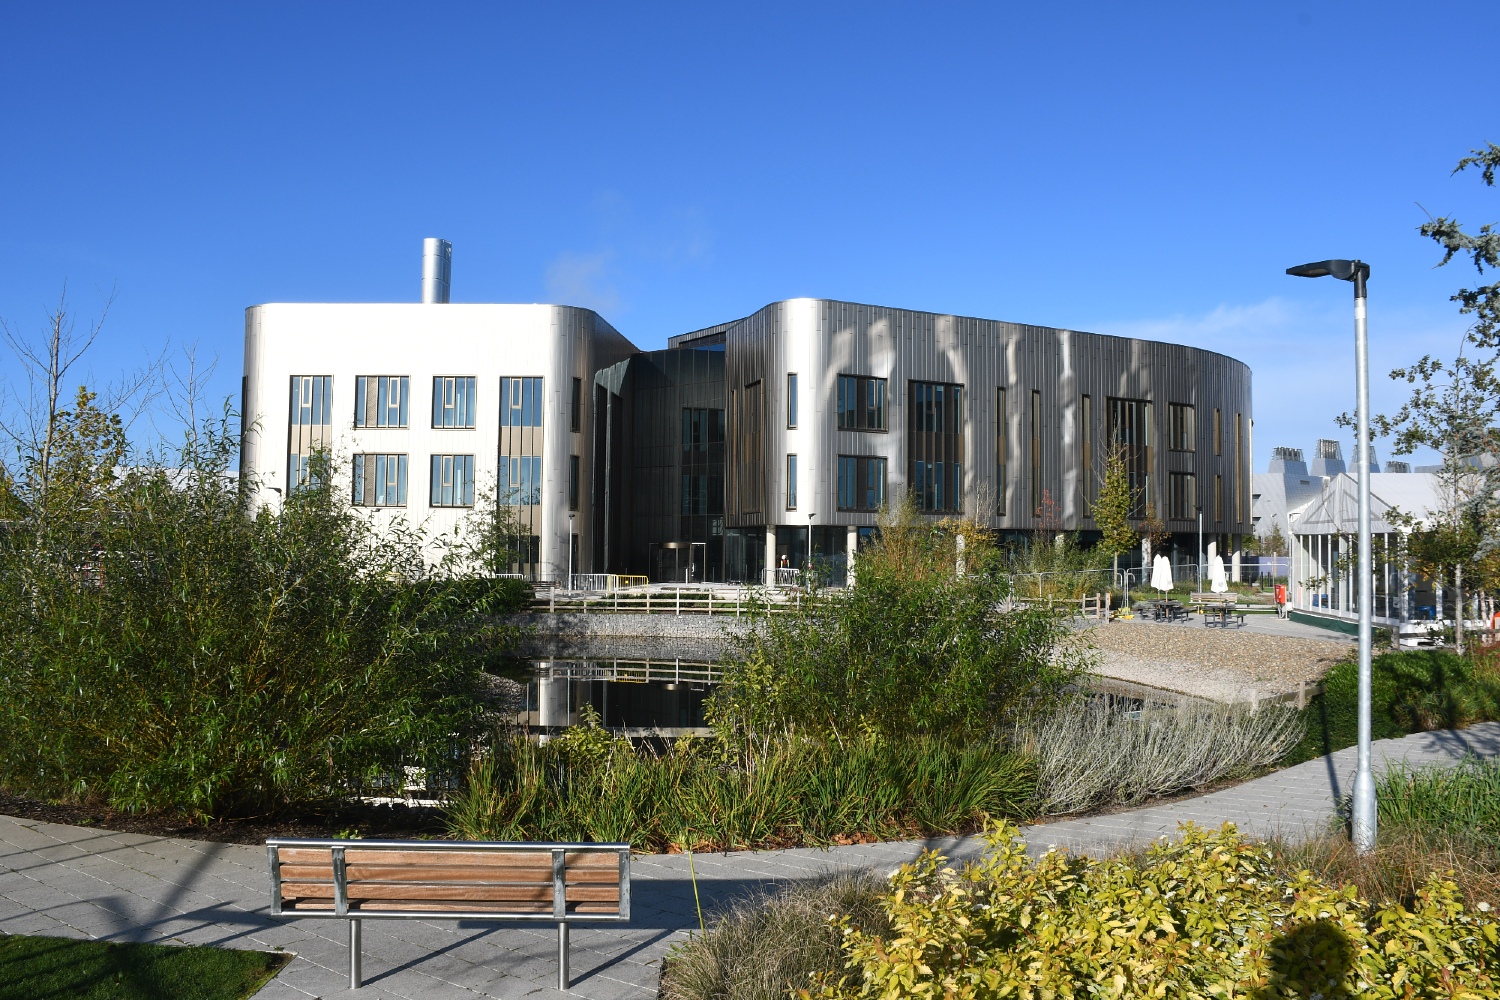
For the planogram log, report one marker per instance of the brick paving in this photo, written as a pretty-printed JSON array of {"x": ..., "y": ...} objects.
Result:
[{"x": 76, "y": 882}]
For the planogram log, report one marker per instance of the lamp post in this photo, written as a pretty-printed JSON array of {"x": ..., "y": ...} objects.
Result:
[
  {"x": 1362, "y": 826},
  {"x": 1200, "y": 547},
  {"x": 570, "y": 550}
]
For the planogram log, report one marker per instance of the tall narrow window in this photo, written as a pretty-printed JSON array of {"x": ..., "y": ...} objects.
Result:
[
  {"x": 573, "y": 476},
  {"x": 1085, "y": 453},
  {"x": 1218, "y": 498},
  {"x": 1180, "y": 432},
  {"x": 453, "y": 401},
  {"x": 380, "y": 400},
  {"x": 791, "y": 482},
  {"x": 861, "y": 403},
  {"x": 935, "y": 446},
  {"x": 1218, "y": 433},
  {"x": 1239, "y": 472},
  {"x": 520, "y": 402},
  {"x": 1002, "y": 452},
  {"x": 575, "y": 406},
  {"x": 310, "y": 427},
  {"x": 861, "y": 483},
  {"x": 379, "y": 481},
  {"x": 1129, "y": 430},
  {"x": 749, "y": 454},
  {"x": 452, "y": 481},
  {"x": 1182, "y": 502},
  {"x": 791, "y": 400},
  {"x": 1037, "y": 493}
]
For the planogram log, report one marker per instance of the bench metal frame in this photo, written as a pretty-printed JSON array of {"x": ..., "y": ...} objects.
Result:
[{"x": 341, "y": 910}]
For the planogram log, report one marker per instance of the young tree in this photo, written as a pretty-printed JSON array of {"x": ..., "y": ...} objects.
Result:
[
  {"x": 1454, "y": 407},
  {"x": 1113, "y": 506}
]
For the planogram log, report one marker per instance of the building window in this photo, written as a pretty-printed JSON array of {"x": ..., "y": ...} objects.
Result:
[
  {"x": 380, "y": 400},
  {"x": 861, "y": 483},
  {"x": 935, "y": 446},
  {"x": 1002, "y": 452},
  {"x": 453, "y": 401},
  {"x": 1037, "y": 493},
  {"x": 1180, "y": 436},
  {"x": 1218, "y": 433},
  {"x": 1129, "y": 430},
  {"x": 575, "y": 406},
  {"x": 791, "y": 482},
  {"x": 702, "y": 464},
  {"x": 1240, "y": 483},
  {"x": 310, "y": 426},
  {"x": 573, "y": 476},
  {"x": 379, "y": 481},
  {"x": 791, "y": 400},
  {"x": 452, "y": 481},
  {"x": 520, "y": 402},
  {"x": 1218, "y": 498},
  {"x": 861, "y": 403},
  {"x": 520, "y": 480},
  {"x": 749, "y": 466},
  {"x": 1085, "y": 453},
  {"x": 1182, "y": 504}
]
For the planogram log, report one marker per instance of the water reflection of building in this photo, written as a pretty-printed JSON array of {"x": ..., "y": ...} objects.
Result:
[
  {"x": 771, "y": 441},
  {"x": 636, "y": 696}
]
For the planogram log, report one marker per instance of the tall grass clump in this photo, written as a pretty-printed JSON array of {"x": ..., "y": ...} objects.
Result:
[
  {"x": 769, "y": 944},
  {"x": 167, "y": 646},
  {"x": 1098, "y": 752},
  {"x": 707, "y": 794},
  {"x": 1411, "y": 691}
]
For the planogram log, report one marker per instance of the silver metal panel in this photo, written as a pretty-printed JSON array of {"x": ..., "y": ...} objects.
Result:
[{"x": 437, "y": 270}]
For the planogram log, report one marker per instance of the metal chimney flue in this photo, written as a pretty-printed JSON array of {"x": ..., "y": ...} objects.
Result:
[{"x": 437, "y": 269}]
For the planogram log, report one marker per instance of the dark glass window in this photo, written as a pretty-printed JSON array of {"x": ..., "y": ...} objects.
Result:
[
  {"x": 1182, "y": 504},
  {"x": 520, "y": 402},
  {"x": 861, "y": 483},
  {"x": 861, "y": 403},
  {"x": 935, "y": 446},
  {"x": 574, "y": 472},
  {"x": 521, "y": 480},
  {"x": 791, "y": 482},
  {"x": 575, "y": 406},
  {"x": 311, "y": 426},
  {"x": 1181, "y": 433},
  {"x": 1130, "y": 432},
  {"x": 791, "y": 400}
]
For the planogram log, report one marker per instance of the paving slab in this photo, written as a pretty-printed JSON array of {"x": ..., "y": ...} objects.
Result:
[{"x": 75, "y": 882}]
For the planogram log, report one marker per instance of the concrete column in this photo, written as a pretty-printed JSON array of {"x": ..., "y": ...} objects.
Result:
[
  {"x": 1234, "y": 559},
  {"x": 851, "y": 547},
  {"x": 770, "y": 555}
]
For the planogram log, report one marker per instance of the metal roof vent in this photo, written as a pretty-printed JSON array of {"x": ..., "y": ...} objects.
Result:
[{"x": 437, "y": 269}]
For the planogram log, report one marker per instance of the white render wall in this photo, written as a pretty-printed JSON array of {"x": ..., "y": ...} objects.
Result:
[{"x": 556, "y": 343}]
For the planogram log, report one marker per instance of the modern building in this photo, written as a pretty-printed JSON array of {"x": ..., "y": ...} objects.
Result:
[{"x": 745, "y": 447}]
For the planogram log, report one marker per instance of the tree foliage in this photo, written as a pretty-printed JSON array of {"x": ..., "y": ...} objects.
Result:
[{"x": 1113, "y": 507}]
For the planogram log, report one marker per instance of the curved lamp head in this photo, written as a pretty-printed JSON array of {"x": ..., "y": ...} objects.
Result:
[{"x": 1356, "y": 271}]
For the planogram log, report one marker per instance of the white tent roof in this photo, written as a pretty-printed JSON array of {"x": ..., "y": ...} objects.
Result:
[{"x": 1336, "y": 510}]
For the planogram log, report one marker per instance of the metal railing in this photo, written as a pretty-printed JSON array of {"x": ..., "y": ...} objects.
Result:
[
  {"x": 677, "y": 601},
  {"x": 638, "y": 671},
  {"x": 606, "y": 582}
]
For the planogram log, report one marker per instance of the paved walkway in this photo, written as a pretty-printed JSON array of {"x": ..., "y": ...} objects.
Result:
[{"x": 76, "y": 882}]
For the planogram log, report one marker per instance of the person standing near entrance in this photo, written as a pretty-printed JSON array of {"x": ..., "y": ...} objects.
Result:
[{"x": 1281, "y": 600}]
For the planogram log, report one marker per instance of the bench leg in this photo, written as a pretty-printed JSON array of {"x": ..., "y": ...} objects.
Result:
[
  {"x": 356, "y": 977},
  {"x": 562, "y": 956}
]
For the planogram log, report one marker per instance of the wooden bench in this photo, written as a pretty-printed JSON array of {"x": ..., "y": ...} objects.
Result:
[
  {"x": 449, "y": 880},
  {"x": 1219, "y": 609}
]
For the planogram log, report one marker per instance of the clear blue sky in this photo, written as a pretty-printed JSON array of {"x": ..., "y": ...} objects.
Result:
[{"x": 1135, "y": 169}]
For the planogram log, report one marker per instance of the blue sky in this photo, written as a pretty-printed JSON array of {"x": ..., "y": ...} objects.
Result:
[{"x": 1136, "y": 169}]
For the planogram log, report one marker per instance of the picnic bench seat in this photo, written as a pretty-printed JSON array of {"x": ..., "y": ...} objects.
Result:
[
  {"x": 449, "y": 880},
  {"x": 1219, "y": 610}
]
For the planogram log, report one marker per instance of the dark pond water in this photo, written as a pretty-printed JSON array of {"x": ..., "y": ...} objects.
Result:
[{"x": 641, "y": 697}]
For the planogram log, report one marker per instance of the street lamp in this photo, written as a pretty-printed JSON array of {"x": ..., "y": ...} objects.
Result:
[
  {"x": 1200, "y": 546},
  {"x": 570, "y": 550},
  {"x": 1363, "y": 819}
]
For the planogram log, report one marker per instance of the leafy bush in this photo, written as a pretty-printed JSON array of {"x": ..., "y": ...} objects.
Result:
[
  {"x": 912, "y": 647},
  {"x": 1207, "y": 915},
  {"x": 1411, "y": 691},
  {"x": 707, "y": 795},
  {"x": 1097, "y": 752},
  {"x": 769, "y": 943},
  {"x": 165, "y": 647}
]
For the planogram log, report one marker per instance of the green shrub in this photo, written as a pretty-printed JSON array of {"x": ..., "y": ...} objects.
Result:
[
  {"x": 1411, "y": 691},
  {"x": 769, "y": 943},
  {"x": 707, "y": 795},
  {"x": 1459, "y": 800},
  {"x": 1205, "y": 916},
  {"x": 165, "y": 647},
  {"x": 912, "y": 647}
]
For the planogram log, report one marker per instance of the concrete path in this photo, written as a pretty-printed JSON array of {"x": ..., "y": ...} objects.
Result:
[{"x": 75, "y": 882}]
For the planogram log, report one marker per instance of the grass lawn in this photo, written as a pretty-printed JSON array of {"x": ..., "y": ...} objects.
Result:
[{"x": 42, "y": 968}]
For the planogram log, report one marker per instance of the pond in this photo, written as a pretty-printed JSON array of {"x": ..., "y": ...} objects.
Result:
[{"x": 641, "y": 697}]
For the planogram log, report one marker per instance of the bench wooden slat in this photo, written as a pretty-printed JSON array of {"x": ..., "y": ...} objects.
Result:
[
  {"x": 428, "y": 890},
  {"x": 456, "y": 873},
  {"x": 488, "y": 859}
]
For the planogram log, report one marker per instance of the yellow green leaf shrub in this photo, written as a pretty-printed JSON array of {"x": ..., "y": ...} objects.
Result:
[{"x": 1203, "y": 917}]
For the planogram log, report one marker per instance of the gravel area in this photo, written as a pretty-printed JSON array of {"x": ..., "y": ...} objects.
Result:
[{"x": 1211, "y": 663}]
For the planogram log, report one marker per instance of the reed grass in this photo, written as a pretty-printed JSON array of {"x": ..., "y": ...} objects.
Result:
[{"x": 706, "y": 795}]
